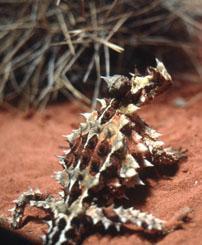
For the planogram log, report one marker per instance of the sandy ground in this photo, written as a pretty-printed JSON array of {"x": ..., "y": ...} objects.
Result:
[{"x": 29, "y": 144}]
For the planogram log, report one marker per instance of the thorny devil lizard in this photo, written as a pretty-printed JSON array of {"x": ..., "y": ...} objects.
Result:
[{"x": 106, "y": 155}]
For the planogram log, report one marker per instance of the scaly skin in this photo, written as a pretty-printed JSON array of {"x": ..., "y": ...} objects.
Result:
[{"x": 105, "y": 156}]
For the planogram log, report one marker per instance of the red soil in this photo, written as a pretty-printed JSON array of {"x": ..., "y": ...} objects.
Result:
[{"x": 28, "y": 146}]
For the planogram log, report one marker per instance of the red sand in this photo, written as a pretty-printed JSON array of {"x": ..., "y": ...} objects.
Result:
[{"x": 28, "y": 146}]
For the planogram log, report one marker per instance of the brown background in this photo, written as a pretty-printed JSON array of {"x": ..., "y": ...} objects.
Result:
[{"x": 29, "y": 144}]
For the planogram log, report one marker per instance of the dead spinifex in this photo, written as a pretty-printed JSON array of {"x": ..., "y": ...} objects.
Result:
[{"x": 48, "y": 49}]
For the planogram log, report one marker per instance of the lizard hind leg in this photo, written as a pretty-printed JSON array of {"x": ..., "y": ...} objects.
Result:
[
  {"x": 140, "y": 219},
  {"x": 33, "y": 198},
  {"x": 167, "y": 160},
  {"x": 169, "y": 156},
  {"x": 117, "y": 217}
]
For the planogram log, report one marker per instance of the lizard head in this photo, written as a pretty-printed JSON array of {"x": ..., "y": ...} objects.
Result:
[{"x": 139, "y": 89}]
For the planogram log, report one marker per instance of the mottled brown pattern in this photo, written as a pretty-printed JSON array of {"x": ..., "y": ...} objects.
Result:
[{"x": 106, "y": 155}]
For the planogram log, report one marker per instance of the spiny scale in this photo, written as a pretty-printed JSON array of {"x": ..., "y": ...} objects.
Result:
[{"x": 105, "y": 156}]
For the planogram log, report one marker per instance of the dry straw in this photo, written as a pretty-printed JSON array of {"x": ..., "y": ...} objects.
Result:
[{"x": 49, "y": 48}]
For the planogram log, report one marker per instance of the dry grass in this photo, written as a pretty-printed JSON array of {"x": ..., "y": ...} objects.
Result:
[{"x": 57, "y": 47}]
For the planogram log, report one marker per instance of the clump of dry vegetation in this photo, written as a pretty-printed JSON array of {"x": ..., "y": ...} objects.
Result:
[{"x": 50, "y": 48}]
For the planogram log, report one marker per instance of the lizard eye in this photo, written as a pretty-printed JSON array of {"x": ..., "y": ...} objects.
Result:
[{"x": 118, "y": 85}]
